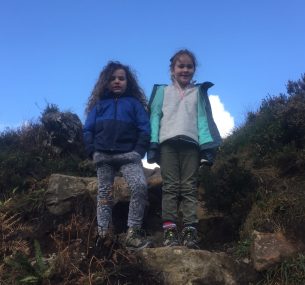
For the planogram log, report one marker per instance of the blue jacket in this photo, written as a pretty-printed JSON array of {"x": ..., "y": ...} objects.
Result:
[{"x": 117, "y": 125}]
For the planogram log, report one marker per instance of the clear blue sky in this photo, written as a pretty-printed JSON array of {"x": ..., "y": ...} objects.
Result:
[{"x": 52, "y": 51}]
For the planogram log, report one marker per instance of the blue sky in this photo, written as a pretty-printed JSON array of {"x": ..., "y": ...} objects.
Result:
[{"x": 53, "y": 51}]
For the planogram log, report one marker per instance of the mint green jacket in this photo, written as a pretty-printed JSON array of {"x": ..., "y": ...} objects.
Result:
[{"x": 208, "y": 134}]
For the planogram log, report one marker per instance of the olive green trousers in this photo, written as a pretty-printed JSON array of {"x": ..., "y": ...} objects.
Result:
[{"x": 179, "y": 162}]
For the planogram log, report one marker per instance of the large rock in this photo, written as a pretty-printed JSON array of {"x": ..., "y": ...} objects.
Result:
[
  {"x": 63, "y": 189},
  {"x": 180, "y": 265}
]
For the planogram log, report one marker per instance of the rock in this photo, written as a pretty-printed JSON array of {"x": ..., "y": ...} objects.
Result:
[
  {"x": 271, "y": 248},
  {"x": 180, "y": 265},
  {"x": 63, "y": 128},
  {"x": 63, "y": 189},
  {"x": 154, "y": 179}
]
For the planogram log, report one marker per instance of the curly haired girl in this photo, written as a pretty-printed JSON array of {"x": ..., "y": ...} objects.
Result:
[{"x": 116, "y": 136}]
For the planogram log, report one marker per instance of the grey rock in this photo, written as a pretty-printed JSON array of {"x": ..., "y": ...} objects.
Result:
[
  {"x": 63, "y": 189},
  {"x": 180, "y": 265}
]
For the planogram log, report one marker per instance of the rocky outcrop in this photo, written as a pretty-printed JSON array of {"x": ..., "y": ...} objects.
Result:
[
  {"x": 63, "y": 189},
  {"x": 64, "y": 129},
  {"x": 180, "y": 265}
]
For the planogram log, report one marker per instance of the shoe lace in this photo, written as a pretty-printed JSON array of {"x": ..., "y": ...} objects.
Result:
[
  {"x": 138, "y": 233},
  {"x": 170, "y": 234},
  {"x": 188, "y": 234}
]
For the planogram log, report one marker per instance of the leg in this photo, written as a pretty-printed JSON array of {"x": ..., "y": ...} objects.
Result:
[
  {"x": 105, "y": 175},
  {"x": 170, "y": 172},
  {"x": 189, "y": 157},
  {"x": 134, "y": 175},
  {"x": 135, "y": 178}
]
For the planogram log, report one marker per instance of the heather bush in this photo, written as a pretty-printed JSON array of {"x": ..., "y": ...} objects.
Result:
[
  {"x": 32, "y": 152},
  {"x": 260, "y": 168}
]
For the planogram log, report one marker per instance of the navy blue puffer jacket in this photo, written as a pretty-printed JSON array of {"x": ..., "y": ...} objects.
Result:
[{"x": 117, "y": 125}]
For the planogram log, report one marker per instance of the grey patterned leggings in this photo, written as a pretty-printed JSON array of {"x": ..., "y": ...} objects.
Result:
[{"x": 130, "y": 165}]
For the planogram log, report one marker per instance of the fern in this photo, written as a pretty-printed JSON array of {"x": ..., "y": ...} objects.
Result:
[
  {"x": 29, "y": 280},
  {"x": 30, "y": 272},
  {"x": 20, "y": 264},
  {"x": 10, "y": 242},
  {"x": 41, "y": 267}
]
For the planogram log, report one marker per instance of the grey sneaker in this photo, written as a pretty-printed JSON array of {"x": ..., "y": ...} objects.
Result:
[
  {"x": 136, "y": 239},
  {"x": 170, "y": 237},
  {"x": 105, "y": 238},
  {"x": 105, "y": 233},
  {"x": 190, "y": 237}
]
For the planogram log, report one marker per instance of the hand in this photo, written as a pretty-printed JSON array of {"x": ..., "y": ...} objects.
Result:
[
  {"x": 207, "y": 157},
  {"x": 153, "y": 156}
]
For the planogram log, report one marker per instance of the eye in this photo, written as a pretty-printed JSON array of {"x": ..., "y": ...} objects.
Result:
[{"x": 188, "y": 66}]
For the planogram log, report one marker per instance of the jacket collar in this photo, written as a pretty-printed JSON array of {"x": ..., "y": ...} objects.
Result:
[{"x": 110, "y": 95}]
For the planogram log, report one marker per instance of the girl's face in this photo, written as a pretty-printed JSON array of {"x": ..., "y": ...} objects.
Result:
[
  {"x": 118, "y": 82},
  {"x": 183, "y": 70}
]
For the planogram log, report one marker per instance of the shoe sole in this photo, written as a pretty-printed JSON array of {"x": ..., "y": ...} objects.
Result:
[
  {"x": 192, "y": 246},
  {"x": 171, "y": 244},
  {"x": 146, "y": 245}
]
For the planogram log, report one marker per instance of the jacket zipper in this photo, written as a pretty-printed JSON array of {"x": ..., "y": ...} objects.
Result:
[
  {"x": 115, "y": 107},
  {"x": 115, "y": 118}
]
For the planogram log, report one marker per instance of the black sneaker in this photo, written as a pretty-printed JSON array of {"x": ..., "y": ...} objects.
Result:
[
  {"x": 170, "y": 237},
  {"x": 136, "y": 239},
  {"x": 190, "y": 238}
]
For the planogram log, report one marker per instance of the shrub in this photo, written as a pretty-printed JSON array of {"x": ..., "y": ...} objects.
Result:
[
  {"x": 257, "y": 162},
  {"x": 34, "y": 151}
]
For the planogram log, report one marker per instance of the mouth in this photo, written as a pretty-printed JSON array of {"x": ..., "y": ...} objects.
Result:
[{"x": 184, "y": 76}]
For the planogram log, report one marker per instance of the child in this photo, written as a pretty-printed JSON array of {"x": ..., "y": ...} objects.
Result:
[
  {"x": 183, "y": 136},
  {"x": 116, "y": 135}
]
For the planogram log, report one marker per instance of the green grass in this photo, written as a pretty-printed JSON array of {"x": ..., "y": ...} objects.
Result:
[{"x": 289, "y": 272}]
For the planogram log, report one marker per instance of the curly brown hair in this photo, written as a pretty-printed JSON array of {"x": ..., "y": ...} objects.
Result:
[{"x": 101, "y": 86}]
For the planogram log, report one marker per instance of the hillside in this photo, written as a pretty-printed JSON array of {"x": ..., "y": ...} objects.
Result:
[{"x": 257, "y": 183}]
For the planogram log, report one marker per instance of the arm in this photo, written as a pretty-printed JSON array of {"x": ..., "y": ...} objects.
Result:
[
  {"x": 209, "y": 136},
  {"x": 89, "y": 132},
  {"x": 143, "y": 126},
  {"x": 155, "y": 105}
]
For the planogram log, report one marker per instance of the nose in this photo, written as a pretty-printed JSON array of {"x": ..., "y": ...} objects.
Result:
[{"x": 116, "y": 80}]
